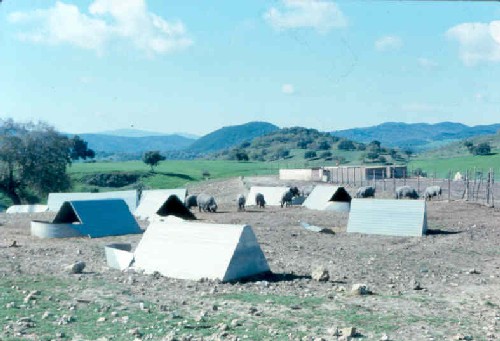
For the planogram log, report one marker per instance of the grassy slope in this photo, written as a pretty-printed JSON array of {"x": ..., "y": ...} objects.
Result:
[
  {"x": 172, "y": 174},
  {"x": 456, "y": 157}
]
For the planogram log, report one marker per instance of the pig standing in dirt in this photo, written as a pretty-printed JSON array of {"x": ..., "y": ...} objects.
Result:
[
  {"x": 365, "y": 192},
  {"x": 259, "y": 200},
  {"x": 241, "y": 202},
  {"x": 406, "y": 192},
  {"x": 191, "y": 201},
  {"x": 432, "y": 191},
  {"x": 207, "y": 203}
]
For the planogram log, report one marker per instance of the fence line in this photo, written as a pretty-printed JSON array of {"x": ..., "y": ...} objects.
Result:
[{"x": 474, "y": 184}]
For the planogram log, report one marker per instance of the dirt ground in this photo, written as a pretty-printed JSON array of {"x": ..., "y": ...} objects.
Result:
[{"x": 442, "y": 286}]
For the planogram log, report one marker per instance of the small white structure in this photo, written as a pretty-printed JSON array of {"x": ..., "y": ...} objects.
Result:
[
  {"x": 92, "y": 218},
  {"x": 328, "y": 198},
  {"x": 56, "y": 200},
  {"x": 272, "y": 195},
  {"x": 458, "y": 177},
  {"x": 27, "y": 209},
  {"x": 388, "y": 217},
  {"x": 188, "y": 250},
  {"x": 307, "y": 174},
  {"x": 152, "y": 200}
]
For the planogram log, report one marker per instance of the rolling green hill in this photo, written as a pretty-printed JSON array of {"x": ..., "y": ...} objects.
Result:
[
  {"x": 301, "y": 145},
  {"x": 231, "y": 136}
]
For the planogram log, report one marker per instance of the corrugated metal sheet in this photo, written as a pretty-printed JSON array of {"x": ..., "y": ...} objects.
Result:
[
  {"x": 193, "y": 251},
  {"x": 388, "y": 217},
  {"x": 56, "y": 200},
  {"x": 98, "y": 218},
  {"x": 272, "y": 195},
  {"x": 320, "y": 197},
  {"x": 152, "y": 200},
  {"x": 27, "y": 209}
]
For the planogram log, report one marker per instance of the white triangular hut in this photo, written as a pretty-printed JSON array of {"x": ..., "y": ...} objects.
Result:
[
  {"x": 329, "y": 198},
  {"x": 92, "y": 218},
  {"x": 272, "y": 195},
  {"x": 188, "y": 250},
  {"x": 27, "y": 209},
  {"x": 56, "y": 200},
  {"x": 152, "y": 200}
]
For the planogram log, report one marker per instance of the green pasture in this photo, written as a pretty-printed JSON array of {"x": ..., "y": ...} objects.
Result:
[
  {"x": 442, "y": 166},
  {"x": 172, "y": 174}
]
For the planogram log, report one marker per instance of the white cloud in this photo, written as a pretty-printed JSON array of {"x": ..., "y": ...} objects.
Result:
[
  {"x": 107, "y": 21},
  {"x": 478, "y": 42},
  {"x": 427, "y": 63},
  {"x": 288, "y": 89},
  {"x": 387, "y": 43},
  {"x": 322, "y": 16}
]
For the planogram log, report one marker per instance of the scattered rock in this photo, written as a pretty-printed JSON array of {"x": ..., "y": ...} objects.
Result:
[
  {"x": 360, "y": 289},
  {"x": 101, "y": 319},
  {"x": 65, "y": 319},
  {"x": 474, "y": 271},
  {"x": 135, "y": 332},
  {"x": 462, "y": 337},
  {"x": 349, "y": 331},
  {"x": 320, "y": 274},
  {"x": 13, "y": 244},
  {"x": 384, "y": 338},
  {"x": 75, "y": 268},
  {"x": 416, "y": 285},
  {"x": 46, "y": 315},
  {"x": 31, "y": 296}
]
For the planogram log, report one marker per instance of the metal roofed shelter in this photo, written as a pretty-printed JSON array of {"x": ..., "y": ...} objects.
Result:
[
  {"x": 27, "y": 209},
  {"x": 152, "y": 200},
  {"x": 325, "y": 197},
  {"x": 188, "y": 250},
  {"x": 272, "y": 195},
  {"x": 92, "y": 218},
  {"x": 388, "y": 217},
  {"x": 56, "y": 200}
]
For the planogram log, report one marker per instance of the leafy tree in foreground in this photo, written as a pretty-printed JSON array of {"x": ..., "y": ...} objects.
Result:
[
  {"x": 152, "y": 158},
  {"x": 33, "y": 160}
]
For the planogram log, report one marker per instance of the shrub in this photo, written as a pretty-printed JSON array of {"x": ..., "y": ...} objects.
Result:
[
  {"x": 310, "y": 154},
  {"x": 482, "y": 149},
  {"x": 112, "y": 179},
  {"x": 346, "y": 145}
]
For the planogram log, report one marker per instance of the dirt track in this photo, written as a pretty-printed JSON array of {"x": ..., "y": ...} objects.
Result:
[{"x": 457, "y": 267}]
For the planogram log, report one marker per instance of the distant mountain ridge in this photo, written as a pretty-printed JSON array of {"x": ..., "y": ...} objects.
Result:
[
  {"x": 139, "y": 133},
  {"x": 416, "y": 136},
  {"x": 133, "y": 145},
  {"x": 231, "y": 136}
]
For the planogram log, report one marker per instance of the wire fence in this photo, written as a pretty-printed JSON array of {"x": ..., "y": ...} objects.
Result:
[{"x": 475, "y": 185}]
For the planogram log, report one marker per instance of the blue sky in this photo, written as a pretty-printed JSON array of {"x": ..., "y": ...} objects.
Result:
[{"x": 195, "y": 66}]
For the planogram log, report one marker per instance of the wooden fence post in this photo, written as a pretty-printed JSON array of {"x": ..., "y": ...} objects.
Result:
[{"x": 449, "y": 185}]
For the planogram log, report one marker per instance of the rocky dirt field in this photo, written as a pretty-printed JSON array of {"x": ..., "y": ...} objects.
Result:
[{"x": 442, "y": 286}]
